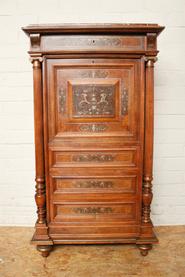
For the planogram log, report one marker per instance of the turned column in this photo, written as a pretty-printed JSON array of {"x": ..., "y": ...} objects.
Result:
[
  {"x": 40, "y": 196},
  {"x": 147, "y": 236},
  {"x": 40, "y": 238},
  {"x": 148, "y": 140}
]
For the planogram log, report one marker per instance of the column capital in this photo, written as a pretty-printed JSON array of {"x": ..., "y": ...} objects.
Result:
[
  {"x": 150, "y": 60},
  {"x": 36, "y": 59}
]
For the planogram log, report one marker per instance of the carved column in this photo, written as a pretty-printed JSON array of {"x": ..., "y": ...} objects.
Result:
[{"x": 40, "y": 196}]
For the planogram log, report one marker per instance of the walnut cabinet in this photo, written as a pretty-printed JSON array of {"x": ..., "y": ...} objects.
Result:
[{"x": 93, "y": 111}]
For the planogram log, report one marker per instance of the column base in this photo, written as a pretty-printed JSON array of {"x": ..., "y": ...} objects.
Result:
[
  {"x": 45, "y": 250},
  {"x": 144, "y": 248}
]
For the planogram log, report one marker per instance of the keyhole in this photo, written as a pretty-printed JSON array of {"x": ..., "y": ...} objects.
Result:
[{"x": 93, "y": 41}]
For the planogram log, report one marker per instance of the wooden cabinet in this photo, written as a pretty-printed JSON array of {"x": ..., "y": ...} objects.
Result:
[{"x": 93, "y": 106}]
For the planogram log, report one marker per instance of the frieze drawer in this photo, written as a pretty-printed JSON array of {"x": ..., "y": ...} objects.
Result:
[
  {"x": 126, "y": 157},
  {"x": 90, "y": 43}
]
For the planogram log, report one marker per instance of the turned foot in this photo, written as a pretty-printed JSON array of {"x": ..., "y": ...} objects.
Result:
[
  {"x": 44, "y": 249},
  {"x": 144, "y": 248}
]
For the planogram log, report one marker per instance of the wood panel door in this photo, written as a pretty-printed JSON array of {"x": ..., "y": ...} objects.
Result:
[{"x": 94, "y": 113}]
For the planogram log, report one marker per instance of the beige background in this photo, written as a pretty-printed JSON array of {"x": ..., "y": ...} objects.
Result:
[{"x": 17, "y": 205}]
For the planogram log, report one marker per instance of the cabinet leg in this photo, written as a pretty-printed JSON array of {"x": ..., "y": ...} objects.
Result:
[
  {"x": 144, "y": 248},
  {"x": 44, "y": 249}
]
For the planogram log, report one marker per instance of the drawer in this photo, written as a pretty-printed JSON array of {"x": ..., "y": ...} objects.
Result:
[
  {"x": 109, "y": 212},
  {"x": 97, "y": 189},
  {"x": 125, "y": 184},
  {"x": 126, "y": 157},
  {"x": 92, "y": 42},
  {"x": 94, "y": 189}
]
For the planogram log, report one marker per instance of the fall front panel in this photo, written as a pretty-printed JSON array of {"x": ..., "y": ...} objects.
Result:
[{"x": 99, "y": 97}]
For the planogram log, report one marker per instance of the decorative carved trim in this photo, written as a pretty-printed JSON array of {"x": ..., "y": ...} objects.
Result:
[
  {"x": 93, "y": 100},
  {"x": 62, "y": 99},
  {"x": 35, "y": 41},
  {"x": 124, "y": 101},
  {"x": 93, "y": 128},
  {"x": 147, "y": 199},
  {"x": 94, "y": 184},
  {"x": 93, "y": 158},
  {"x": 95, "y": 74},
  {"x": 93, "y": 210}
]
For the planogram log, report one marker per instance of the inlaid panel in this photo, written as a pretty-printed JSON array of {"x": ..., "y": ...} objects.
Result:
[{"x": 93, "y": 100}]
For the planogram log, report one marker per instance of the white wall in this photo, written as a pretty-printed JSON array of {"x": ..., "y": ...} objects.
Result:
[{"x": 17, "y": 205}]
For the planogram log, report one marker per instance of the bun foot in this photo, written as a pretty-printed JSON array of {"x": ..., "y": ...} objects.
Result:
[
  {"x": 144, "y": 248},
  {"x": 44, "y": 250}
]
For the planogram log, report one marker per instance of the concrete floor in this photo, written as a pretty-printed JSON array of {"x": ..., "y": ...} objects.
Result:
[{"x": 20, "y": 259}]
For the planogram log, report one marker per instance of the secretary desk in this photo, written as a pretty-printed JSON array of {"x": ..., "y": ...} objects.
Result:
[{"x": 93, "y": 114}]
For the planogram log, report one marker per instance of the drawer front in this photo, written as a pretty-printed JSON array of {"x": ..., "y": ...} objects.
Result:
[
  {"x": 112, "y": 212},
  {"x": 89, "y": 190},
  {"x": 92, "y": 43},
  {"x": 126, "y": 184},
  {"x": 126, "y": 157}
]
